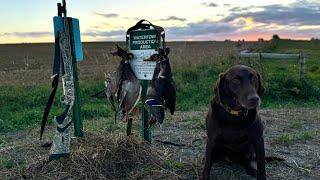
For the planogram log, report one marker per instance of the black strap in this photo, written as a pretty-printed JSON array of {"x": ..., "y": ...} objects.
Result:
[
  {"x": 101, "y": 94},
  {"x": 141, "y": 25},
  {"x": 63, "y": 115},
  {"x": 61, "y": 130},
  {"x": 55, "y": 82}
]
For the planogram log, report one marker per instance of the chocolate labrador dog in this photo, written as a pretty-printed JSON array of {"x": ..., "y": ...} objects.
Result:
[{"x": 234, "y": 128}]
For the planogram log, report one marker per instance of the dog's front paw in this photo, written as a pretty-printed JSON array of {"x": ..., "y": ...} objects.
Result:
[{"x": 251, "y": 171}]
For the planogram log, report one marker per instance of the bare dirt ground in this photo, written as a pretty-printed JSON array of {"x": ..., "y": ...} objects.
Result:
[{"x": 291, "y": 134}]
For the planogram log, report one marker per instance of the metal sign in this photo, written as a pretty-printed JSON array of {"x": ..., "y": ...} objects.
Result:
[
  {"x": 143, "y": 44},
  {"x": 77, "y": 45},
  {"x": 143, "y": 39}
]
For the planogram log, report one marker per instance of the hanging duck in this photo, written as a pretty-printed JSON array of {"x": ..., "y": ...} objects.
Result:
[
  {"x": 123, "y": 89},
  {"x": 129, "y": 91},
  {"x": 161, "y": 93},
  {"x": 112, "y": 86}
]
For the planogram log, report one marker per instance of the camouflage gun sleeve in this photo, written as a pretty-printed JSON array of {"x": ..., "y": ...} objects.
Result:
[{"x": 61, "y": 141}]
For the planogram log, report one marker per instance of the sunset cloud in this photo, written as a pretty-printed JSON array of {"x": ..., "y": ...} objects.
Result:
[
  {"x": 279, "y": 14},
  {"x": 201, "y": 28},
  {"x": 210, "y": 4},
  {"x": 174, "y": 18},
  {"x": 108, "y": 15},
  {"x": 206, "y": 20},
  {"x": 104, "y": 34},
  {"x": 27, "y": 34}
]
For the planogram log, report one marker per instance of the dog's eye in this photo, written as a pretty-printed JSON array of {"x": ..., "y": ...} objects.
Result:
[
  {"x": 254, "y": 80},
  {"x": 236, "y": 81}
]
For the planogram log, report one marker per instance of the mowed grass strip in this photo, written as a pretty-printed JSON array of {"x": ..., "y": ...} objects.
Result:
[{"x": 21, "y": 106}]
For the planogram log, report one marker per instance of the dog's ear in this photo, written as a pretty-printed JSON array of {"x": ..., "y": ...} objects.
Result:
[
  {"x": 260, "y": 86},
  {"x": 218, "y": 87}
]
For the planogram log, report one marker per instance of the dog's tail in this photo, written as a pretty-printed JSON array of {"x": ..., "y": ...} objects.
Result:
[{"x": 271, "y": 159}]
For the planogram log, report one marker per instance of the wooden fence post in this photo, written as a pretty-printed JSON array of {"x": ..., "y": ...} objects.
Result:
[{"x": 302, "y": 60}]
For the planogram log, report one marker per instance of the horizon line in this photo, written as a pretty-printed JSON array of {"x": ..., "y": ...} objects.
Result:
[{"x": 230, "y": 40}]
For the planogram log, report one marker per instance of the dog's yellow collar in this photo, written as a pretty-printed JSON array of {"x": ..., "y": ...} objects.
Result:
[{"x": 232, "y": 111}]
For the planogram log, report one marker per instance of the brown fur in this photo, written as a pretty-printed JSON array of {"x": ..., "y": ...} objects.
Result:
[{"x": 236, "y": 137}]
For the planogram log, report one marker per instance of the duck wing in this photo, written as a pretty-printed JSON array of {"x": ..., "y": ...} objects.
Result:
[
  {"x": 130, "y": 95},
  {"x": 110, "y": 95},
  {"x": 154, "y": 102},
  {"x": 169, "y": 89},
  {"x": 170, "y": 95}
]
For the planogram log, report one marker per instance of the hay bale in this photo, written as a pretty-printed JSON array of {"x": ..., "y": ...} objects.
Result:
[{"x": 104, "y": 157}]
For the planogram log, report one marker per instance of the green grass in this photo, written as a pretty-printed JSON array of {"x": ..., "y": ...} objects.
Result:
[
  {"x": 296, "y": 125},
  {"x": 21, "y": 107},
  {"x": 283, "y": 86},
  {"x": 6, "y": 164},
  {"x": 194, "y": 86},
  {"x": 171, "y": 164},
  {"x": 24, "y": 105},
  {"x": 288, "y": 138},
  {"x": 200, "y": 123}
]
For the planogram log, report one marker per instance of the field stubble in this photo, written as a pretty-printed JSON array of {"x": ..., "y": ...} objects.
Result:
[{"x": 33, "y": 64}]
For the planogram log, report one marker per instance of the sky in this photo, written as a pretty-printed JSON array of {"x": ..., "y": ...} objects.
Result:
[{"x": 28, "y": 21}]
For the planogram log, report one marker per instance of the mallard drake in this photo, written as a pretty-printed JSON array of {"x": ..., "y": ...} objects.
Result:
[
  {"x": 161, "y": 93},
  {"x": 129, "y": 91}
]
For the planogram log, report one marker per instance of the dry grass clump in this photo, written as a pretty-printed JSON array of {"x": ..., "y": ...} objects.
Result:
[{"x": 104, "y": 157}]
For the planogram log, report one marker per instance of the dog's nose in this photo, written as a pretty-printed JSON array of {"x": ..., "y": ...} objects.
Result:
[{"x": 254, "y": 98}]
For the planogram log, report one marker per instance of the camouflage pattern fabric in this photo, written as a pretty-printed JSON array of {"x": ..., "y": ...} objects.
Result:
[{"x": 61, "y": 141}]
